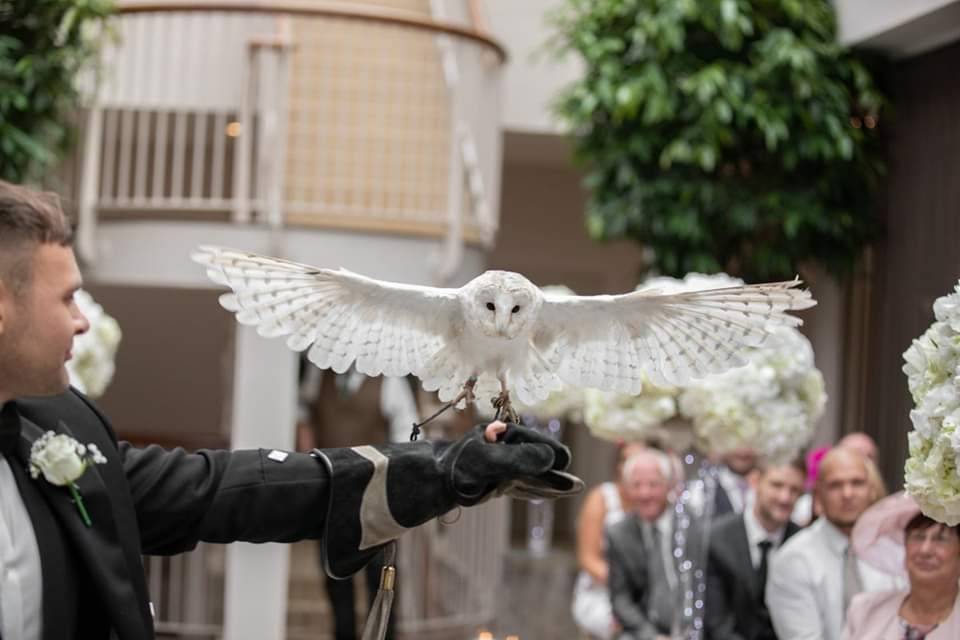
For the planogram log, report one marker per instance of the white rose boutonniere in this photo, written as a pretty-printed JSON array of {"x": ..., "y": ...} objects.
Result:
[{"x": 62, "y": 460}]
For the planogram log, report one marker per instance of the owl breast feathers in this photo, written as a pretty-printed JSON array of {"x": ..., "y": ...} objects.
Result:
[{"x": 499, "y": 327}]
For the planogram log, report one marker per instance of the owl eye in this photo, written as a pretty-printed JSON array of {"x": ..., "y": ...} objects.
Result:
[
  {"x": 491, "y": 307},
  {"x": 516, "y": 308}
]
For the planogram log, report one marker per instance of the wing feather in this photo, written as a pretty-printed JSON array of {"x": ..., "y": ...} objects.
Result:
[
  {"x": 339, "y": 317},
  {"x": 613, "y": 342}
]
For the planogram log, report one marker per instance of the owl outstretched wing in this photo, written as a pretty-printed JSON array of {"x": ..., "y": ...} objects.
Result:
[
  {"x": 611, "y": 342},
  {"x": 342, "y": 317}
]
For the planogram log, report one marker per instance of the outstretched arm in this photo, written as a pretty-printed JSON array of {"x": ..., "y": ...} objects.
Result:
[{"x": 356, "y": 499}]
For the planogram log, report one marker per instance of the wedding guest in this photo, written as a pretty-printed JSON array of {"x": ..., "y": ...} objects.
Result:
[
  {"x": 813, "y": 577},
  {"x": 643, "y": 577},
  {"x": 602, "y": 508},
  {"x": 740, "y": 545},
  {"x": 865, "y": 445},
  {"x": 896, "y": 538},
  {"x": 861, "y": 443},
  {"x": 75, "y": 534},
  {"x": 805, "y": 511},
  {"x": 733, "y": 490}
]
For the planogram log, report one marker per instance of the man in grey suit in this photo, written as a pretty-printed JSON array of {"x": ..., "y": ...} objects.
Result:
[
  {"x": 739, "y": 548},
  {"x": 643, "y": 580}
]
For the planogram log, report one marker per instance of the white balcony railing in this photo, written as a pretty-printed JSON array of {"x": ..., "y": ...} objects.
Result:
[{"x": 346, "y": 115}]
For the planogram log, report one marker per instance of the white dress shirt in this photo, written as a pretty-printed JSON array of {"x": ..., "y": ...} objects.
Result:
[
  {"x": 805, "y": 583},
  {"x": 21, "y": 586},
  {"x": 757, "y": 534}
]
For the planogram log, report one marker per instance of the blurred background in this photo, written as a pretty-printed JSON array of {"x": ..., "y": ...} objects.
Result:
[{"x": 583, "y": 144}]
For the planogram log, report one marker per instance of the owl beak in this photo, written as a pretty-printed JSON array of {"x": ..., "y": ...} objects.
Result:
[{"x": 500, "y": 323}]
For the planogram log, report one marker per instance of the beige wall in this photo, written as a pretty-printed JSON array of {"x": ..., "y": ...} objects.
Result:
[
  {"x": 542, "y": 232},
  {"x": 533, "y": 76}
]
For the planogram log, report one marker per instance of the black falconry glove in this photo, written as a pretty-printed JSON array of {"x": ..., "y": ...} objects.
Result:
[{"x": 379, "y": 492}]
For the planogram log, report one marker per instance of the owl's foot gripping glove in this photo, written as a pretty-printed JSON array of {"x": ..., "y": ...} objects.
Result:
[{"x": 379, "y": 492}]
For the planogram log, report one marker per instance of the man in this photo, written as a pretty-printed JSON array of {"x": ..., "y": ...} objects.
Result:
[
  {"x": 861, "y": 443},
  {"x": 740, "y": 545},
  {"x": 813, "y": 577},
  {"x": 643, "y": 580},
  {"x": 70, "y": 572},
  {"x": 733, "y": 490}
]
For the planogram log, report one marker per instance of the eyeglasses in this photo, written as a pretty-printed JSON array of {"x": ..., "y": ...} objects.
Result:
[{"x": 939, "y": 536}]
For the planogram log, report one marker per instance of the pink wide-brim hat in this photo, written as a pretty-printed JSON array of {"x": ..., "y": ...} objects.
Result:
[{"x": 878, "y": 537}]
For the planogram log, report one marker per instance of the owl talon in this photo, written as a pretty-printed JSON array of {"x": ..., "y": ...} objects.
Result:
[
  {"x": 504, "y": 407},
  {"x": 466, "y": 393}
]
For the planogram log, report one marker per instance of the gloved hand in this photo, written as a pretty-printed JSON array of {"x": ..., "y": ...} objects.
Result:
[
  {"x": 379, "y": 492},
  {"x": 522, "y": 463}
]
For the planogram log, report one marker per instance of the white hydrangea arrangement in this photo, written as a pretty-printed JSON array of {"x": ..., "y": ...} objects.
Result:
[
  {"x": 933, "y": 377},
  {"x": 92, "y": 366},
  {"x": 771, "y": 404},
  {"x": 622, "y": 417}
]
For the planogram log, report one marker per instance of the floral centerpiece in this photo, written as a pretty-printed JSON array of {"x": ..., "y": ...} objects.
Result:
[
  {"x": 933, "y": 377},
  {"x": 771, "y": 404},
  {"x": 623, "y": 417},
  {"x": 92, "y": 366}
]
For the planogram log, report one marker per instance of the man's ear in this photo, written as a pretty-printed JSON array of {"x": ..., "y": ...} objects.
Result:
[{"x": 753, "y": 479}]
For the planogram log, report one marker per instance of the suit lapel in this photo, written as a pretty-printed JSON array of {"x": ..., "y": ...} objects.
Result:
[{"x": 99, "y": 545}]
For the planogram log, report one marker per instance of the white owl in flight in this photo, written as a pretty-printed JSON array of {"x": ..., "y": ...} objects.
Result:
[{"x": 499, "y": 333}]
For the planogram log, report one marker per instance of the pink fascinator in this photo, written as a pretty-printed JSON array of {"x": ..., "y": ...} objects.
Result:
[
  {"x": 878, "y": 538},
  {"x": 813, "y": 465}
]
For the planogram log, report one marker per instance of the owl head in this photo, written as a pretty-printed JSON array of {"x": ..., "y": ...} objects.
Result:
[{"x": 502, "y": 304}]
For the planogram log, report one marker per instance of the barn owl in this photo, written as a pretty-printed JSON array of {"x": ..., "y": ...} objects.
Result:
[{"x": 499, "y": 333}]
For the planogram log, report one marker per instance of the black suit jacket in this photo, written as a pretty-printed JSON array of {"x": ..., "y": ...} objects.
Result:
[
  {"x": 735, "y": 608},
  {"x": 148, "y": 501},
  {"x": 721, "y": 502}
]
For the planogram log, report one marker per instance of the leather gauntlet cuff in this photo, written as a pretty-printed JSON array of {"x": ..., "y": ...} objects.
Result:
[{"x": 377, "y": 493}]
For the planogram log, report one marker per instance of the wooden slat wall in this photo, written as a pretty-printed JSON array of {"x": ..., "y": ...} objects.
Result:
[{"x": 919, "y": 260}]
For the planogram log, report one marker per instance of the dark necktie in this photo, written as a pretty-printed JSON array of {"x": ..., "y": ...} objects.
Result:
[
  {"x": 765, "y": 547},
  {"x": 9, "y": 430}
]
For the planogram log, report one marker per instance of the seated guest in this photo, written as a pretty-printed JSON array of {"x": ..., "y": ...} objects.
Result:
[
  {"x": 896, "y": 538},
  {"x": 805, "y": 512},
  {"x": 861, "y": 443},
  {"x": 738, "y": 557},
  {"x": 813, "y": 577},
  {"x": 603, "y": 507},
  {"x": 733, "y": 484},
  {"x": 643, "y": 579}
]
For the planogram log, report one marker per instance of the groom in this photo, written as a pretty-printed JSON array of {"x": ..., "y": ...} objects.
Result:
[{"x": 65, "y": 579}]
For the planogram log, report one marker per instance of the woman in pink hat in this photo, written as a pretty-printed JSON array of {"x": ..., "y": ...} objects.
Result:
[{"x": 895, "y": 537}]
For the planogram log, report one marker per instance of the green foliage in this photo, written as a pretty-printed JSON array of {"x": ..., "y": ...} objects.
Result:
[
  {"x": 44, "y": 44},
  {"x": 726, "y": 135}
]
